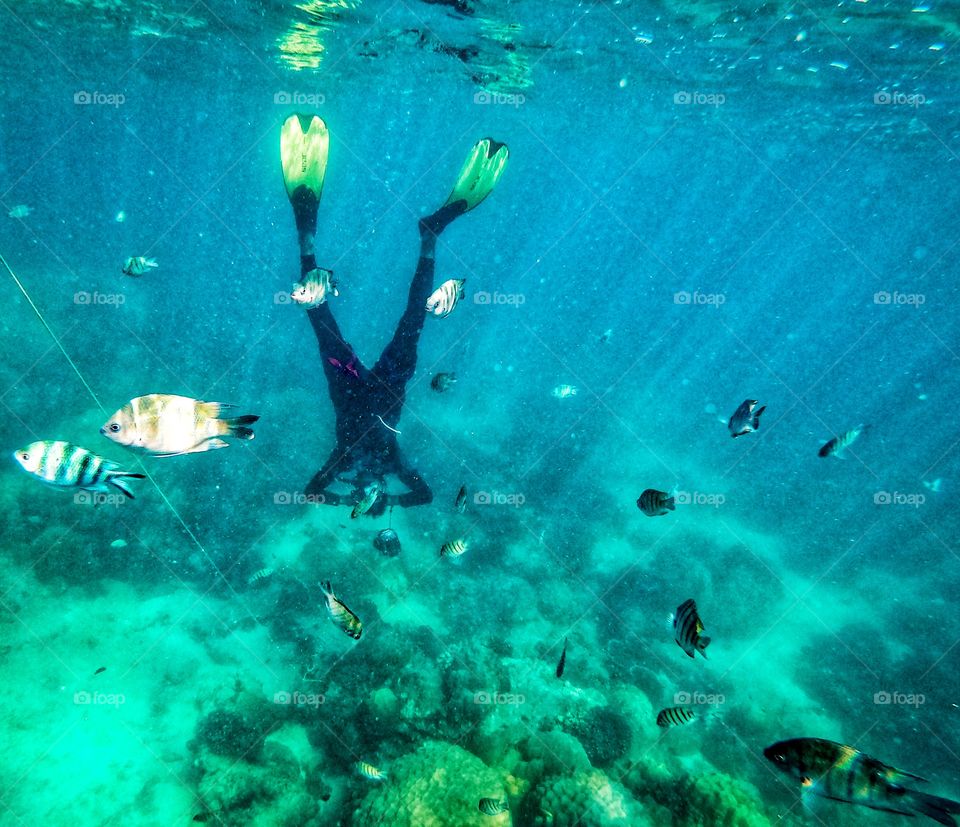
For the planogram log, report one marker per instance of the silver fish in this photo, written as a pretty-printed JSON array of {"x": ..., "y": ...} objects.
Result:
[
  {"x": 63, "y": 465},
  {"x": 313, "y": 288},
  {"x": 138, "y": 265},
  {"x": 445, "y": 297}
]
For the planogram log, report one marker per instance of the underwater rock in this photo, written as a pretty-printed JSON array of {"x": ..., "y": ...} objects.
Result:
[
  {"x": 583, "y": 799},
  {"x": 558, "y": 751},
  {"x": 229, "y": 733},
  {"x": 437, "y": 786},
  {"x": 605, "y": 734}
]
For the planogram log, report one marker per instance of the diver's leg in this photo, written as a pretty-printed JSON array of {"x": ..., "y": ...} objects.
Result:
[{"x": 399, "y": 358}]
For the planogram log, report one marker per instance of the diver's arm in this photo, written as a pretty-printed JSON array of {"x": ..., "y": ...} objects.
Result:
[
  {"x": 419, "y": 493},
  {"x": 316, "y": 489}
]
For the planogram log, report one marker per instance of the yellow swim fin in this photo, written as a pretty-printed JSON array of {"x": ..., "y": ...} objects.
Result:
[
  {"x": 480, "y": 173},
  {"x": 304, "y": 143}
]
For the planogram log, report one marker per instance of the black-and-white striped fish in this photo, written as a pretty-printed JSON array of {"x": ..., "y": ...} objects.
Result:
[
  {"x": 836, "y": 446},
  {"x": 348, "y": 622},
  {"x": 493, "y": 806},
  {"x": 138, "y": 265},
  {"x": 445, "y": 297},
  {"x": 655, "y": 503},
  {"x": 64, "y": 465},
  {"x": 746, "y": 418},
  {"x": 312, "y": 290},
  {"x": 687, "y": 628},
  {"x": 675, "y": 716},
  {"x": 840, "y": 772},
  {"x": 455, "y": 548},
  {"x": 370, "y": 772}
]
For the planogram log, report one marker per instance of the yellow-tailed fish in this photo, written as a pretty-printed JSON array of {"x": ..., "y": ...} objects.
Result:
[
  {"x": 445, "y": 297},
  {"x": 63, "y": 465},
  {"x": 166, "y": 425},
  {"x": 370, "y": 494},
  {"x": 840, "y": 772},
  {"x": 348, "y": 622}
]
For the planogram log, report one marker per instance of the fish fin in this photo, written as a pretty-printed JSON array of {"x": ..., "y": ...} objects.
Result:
[
  {"x": 756, "y": 417},
  {"x": 119, "y": 481},
  {"x": 237, "y": 426},
  {"x": 932, "y": 806},
  {"x": 207, "y": 445},
  {"x": 671, "y": 620},
  {"x": 702, "y": 644},
  {"x": 670, "y": 504}
]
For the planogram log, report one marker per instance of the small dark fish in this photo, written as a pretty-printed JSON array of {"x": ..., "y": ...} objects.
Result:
[
  {"x": 687, "y": 627},
  {"x": 746, "y": 418},
  {"x": 101, "y": 669},
  {"x": 202, "y": 817},
  {"x": 563, "y": 659},
  {"x": 605, "y": 336},
  {"x": 442, "y": 381},
  {"x": 655, "y": 503},
  {"x": 832, "y": 770},
  {"x": 461, "y": 502},
  {"x": 675, "y": 716},
  {"x": 836, "y": 446},
  {"x": 493, "y": 806}
]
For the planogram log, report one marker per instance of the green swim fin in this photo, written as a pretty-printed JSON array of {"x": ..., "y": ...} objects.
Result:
[
  {"x": 480, "y": 173},
  {"x": 303, "y": 155}
]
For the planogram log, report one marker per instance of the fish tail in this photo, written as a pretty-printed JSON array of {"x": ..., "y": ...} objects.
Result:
[
  {"x": 702, "y": 644},
  {"x": 932, "y": 806},
  {"x": 118, "y": 479},
  {"x": 237, "y": 426},
  {"x": 670, "y": 503},
  {"x": 756, "y": 416},
  {"x": 326, "y": 588}
]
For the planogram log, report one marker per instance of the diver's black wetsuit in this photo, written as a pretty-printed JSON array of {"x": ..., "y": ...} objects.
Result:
[{"x": 366, "y": 448}]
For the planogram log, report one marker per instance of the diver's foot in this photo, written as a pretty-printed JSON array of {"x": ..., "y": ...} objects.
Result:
[
  {"x": 433, "y": 225},
  {"x": 304, "y": 143}
]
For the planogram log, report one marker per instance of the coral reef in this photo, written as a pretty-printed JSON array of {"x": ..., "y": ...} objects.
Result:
[
  {"x": 583, "y": 799},
  {"x": 604, "y": 733},
  {"x": 437, "y": 786}
]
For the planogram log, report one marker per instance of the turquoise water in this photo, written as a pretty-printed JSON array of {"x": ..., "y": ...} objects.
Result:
[{"x": 754, "y": 203}]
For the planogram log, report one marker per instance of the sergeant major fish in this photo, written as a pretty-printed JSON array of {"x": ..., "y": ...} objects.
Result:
[
  {"x": 166, "y": 425},
  {"x": 836, "y": 446},
  {"x": 313, "y": 288},
  {"x": 655, "y": 503},
  {"x": 832, "y": 770},
  {"x": 746, "y": 418},
  {"x": 445, "y": 297},
  {"x": 493, "y": 806},
  {"x": 687, "y": 627},
  {"x": 63, "y": 465},
  {"x": 348, "y": 622},
  {"x": 455, "y": 548},
  {"x": 138, "y": 265},
  {"x": 675, "y": 716},
  {"x": 370, "y": 772}
]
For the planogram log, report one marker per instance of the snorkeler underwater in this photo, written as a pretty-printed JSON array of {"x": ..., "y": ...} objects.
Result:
[{"x": 475, "y": 413}]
